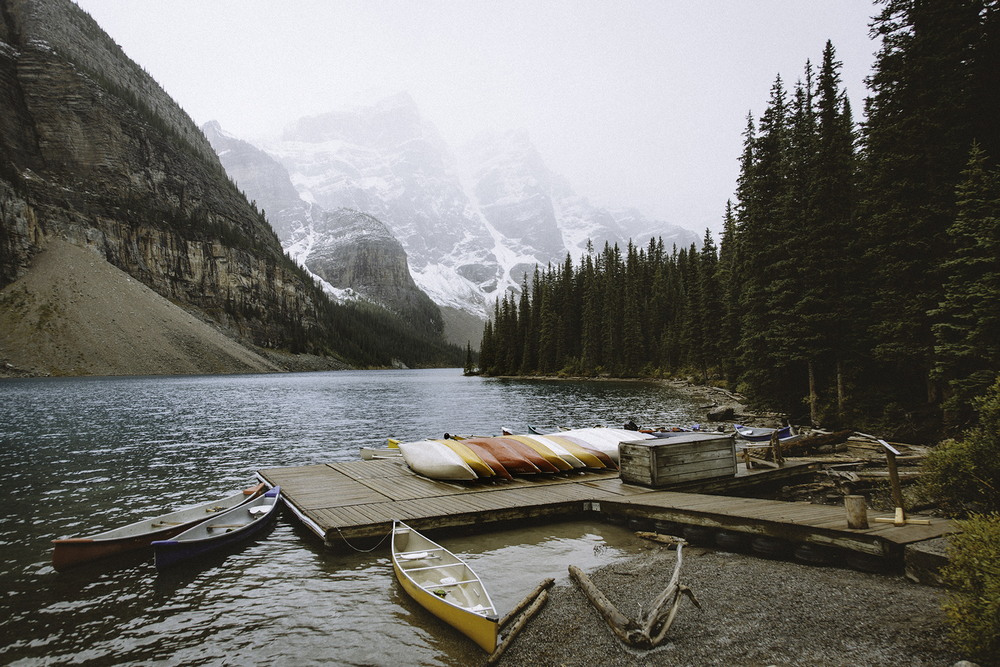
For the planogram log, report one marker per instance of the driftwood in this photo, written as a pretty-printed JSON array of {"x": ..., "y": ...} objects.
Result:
[
  {"x": 652, "y": 628},
  {"x": 528, "y": 599},
  {"x": 670, "y": 540},
  {"x": 517, "y": 626},
  {"x": 520, "y": 615},
  {"x": 811, "y": 442}
]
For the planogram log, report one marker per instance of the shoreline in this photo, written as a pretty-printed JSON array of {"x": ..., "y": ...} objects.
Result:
[{"x": 754, "y": 611}]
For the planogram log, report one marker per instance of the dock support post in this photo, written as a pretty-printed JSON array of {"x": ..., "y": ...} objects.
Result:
[{"x": 857, "y": 511}]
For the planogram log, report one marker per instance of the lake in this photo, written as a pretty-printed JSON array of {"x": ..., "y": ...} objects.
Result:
[{"x": 82, "y": 455}]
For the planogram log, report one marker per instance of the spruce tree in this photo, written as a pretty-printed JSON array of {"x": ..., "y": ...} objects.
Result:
[
  {"x": 967, "y": 322},
  {"x": 916, "y": 140}
]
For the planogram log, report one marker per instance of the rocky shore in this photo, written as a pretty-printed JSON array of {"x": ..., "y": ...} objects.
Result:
[{"x": 754, "y": 611}]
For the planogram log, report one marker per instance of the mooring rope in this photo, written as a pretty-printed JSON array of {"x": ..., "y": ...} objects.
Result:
[{"x": 359, "y": 550}]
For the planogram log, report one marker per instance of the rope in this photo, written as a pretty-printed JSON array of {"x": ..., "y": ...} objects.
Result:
[{"x": 359, "y": 550}]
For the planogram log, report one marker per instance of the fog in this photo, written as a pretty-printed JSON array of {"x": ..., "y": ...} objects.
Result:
[{"x": 640, "y": 103}]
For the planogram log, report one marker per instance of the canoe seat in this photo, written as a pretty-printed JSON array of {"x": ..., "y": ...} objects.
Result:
[
  {"x": 433, "y": 567},
  {"x": 411, "y": 555},
  {"x": 454, "y": 583}
]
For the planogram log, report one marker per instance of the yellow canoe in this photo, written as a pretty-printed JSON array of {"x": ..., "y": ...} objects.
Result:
[
  {"x": 472, "y": 459},
  {"x": 543, "y": 451},
  {"x": 444, "y": 585},
  {"x": 588, "y": 457}
]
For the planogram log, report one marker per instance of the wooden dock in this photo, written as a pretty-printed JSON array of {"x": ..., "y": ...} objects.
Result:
[{"x": 354, "y": 502}]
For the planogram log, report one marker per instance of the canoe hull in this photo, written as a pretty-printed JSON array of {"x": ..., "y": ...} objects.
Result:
[
  {"x": 481, "y": 627},
  {"x": 69, "y": 552},
  {"x": 222, "y": 531},
  {"x": 761, "y": 434},
  {"x": 435, "y": 460}
]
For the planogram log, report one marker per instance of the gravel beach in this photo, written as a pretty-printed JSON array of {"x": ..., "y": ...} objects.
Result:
[{"x": 754, "y": 611}]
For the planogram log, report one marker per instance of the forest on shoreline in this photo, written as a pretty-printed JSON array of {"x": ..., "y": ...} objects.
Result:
[{"x": 857, "y": 279}]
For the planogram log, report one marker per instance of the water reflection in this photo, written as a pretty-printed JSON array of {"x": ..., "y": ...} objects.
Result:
[{"x": 82, "y": 455}]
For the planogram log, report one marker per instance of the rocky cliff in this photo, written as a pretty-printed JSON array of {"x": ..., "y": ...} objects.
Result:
[{"x": 94, "y": 152}]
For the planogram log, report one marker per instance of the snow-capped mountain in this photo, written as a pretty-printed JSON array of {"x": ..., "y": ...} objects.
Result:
[
  {"x": 351, "y": 253},
  {"x": 472, "y": 225}
]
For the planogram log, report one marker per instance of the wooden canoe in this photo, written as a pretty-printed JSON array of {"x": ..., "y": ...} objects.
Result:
[
  {"x": 139, "y": 535},
  {"x": 435, "y": 460},
  {"x": 444, "y": 585},
  {"x": 225, "y": 529}
]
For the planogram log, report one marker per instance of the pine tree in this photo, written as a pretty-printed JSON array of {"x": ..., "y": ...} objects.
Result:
[
  {"x": 763, "y": 198},
  {"x": 729, "y": 281},
  {"x": 916, "y": 140},
  {"x": 967, "y": 328}
]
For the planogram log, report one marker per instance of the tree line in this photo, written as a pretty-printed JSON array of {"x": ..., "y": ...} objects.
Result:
[{"x": 858, "y": 272}]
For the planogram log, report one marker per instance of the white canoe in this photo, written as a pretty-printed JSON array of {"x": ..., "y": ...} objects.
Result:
[
  {"x": 605, "y": 439},
  {"x": 444, "y": 585},
  {"x": 435, "y": 460}
]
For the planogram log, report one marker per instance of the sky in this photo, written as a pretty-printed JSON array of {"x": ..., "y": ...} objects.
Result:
[{"x": 636, "y": 102}]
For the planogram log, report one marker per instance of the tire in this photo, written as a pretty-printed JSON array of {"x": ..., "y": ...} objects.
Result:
[
  {"x": 701, "y": 536},
  {"x": 770, "y": 547},
  {"x": 730, "y": 540}
]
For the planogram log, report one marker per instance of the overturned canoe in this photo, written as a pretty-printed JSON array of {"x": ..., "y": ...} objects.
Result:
[
  {"x": 139, "y": 535},
  {"x": 605, "y": 439},
  {"x": 435, "y": 460},
  {"x": 511, "y": 459},
  {"x": 761, "y": 434},
  {"x": 444, "y": 585}
]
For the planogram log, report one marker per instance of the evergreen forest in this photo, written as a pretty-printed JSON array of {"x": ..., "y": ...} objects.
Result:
[{"x": 857, "y": 277}]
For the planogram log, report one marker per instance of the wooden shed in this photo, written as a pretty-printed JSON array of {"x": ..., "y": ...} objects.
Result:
[{"x": 661, "y": 462}]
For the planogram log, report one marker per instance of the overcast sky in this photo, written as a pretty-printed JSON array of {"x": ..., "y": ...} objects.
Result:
[{"x": 636, "y": 102}]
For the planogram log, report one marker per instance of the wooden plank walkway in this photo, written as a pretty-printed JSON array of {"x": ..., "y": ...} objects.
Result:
[{"x": 355, "y": 501}]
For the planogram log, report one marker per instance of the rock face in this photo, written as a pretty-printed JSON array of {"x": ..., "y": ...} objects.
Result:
[
  {"x": 93, "y": 151},
  {"x": 356, "y": 251},
  {"x": 353, "y": 253}
]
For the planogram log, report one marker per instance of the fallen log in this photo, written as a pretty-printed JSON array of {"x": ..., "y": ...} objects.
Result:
[
  {"x": 528, "y": 599},
  {"x": 810, "y": 442},
  {"x": 624, "y": 627},
  {"x": 671, "y": 541},
  {"x": 655, "y": 623},
  {"x": 659, "y": 618},
  {"x": 540, "y": 599}
]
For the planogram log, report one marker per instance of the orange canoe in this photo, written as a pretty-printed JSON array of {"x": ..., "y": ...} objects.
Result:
[{"x": 510, "y": 458}]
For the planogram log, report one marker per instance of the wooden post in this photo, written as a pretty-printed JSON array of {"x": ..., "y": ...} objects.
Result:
[
  {"x": 857, "y": 511},
  {"x": 897, "y": 491},
  {"x": 776, "y": 454},
  {"x": 890, "y": 463}
]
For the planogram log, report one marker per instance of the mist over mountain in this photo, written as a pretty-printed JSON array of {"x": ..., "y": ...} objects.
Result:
[
  {"x": 472, "y": 221},
  {"x": 106, "y": 182}
]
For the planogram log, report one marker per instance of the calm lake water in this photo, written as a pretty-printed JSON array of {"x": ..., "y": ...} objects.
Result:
[{"x": 81, "y": 455}]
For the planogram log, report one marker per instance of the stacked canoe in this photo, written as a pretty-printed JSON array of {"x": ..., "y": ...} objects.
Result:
[{"x": 509, "y": 455}]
